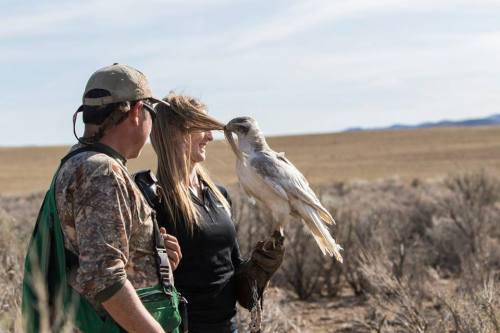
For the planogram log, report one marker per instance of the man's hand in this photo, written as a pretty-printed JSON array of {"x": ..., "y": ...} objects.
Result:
[{"x": 172, "y": 247}]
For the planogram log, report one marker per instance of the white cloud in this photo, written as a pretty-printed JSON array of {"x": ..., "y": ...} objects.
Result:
[
  {"x": 56, "y": 16},
  {"x": 44, "y": 18},
  {"x": 302, "y": 15}
]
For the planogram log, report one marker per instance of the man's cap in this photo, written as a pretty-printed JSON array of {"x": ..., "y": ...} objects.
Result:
[
  {"x": 114, "y": 84},
  {"x": 122, "y": 83}
]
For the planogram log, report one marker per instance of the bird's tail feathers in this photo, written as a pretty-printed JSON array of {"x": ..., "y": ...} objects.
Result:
[
  {"x": 320, "y": 232},
  {"x": 325, "y": 215},
  {"x": 322, "y": 211}
]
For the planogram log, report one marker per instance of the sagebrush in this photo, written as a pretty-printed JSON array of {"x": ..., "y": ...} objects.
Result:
[{"x": 421, "y": 256}]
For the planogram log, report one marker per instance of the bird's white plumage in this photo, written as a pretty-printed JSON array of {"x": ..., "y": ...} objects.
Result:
[
  {"x": 263, "y": 189},
  {"x": 272, "y": 179}
]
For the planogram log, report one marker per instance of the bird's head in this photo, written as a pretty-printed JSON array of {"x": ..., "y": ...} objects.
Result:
[
  {"x": 243, "y": 127},
  {"x": 248, "y": 133}
]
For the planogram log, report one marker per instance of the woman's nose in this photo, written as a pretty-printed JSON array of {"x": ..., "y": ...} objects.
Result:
[{"x": 209, "y": 136}]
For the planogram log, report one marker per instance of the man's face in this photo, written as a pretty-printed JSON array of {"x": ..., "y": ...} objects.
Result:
[
  {"x": 143, "y": 130},
  {"x": 147, "y": 124}
]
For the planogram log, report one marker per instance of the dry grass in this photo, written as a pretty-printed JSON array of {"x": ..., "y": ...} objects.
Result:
[
  {"x": 410, "y": 265},
  {"x": 420, "y": 255},
  {"x": 323, "y": 159},
  {"x": 17, "y": 216}
]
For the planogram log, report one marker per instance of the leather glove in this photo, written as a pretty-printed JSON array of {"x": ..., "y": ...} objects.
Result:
[{"x": 255, "y": 273}]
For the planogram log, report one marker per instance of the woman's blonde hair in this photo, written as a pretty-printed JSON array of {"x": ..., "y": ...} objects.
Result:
[{"x": 171, "y": 142}]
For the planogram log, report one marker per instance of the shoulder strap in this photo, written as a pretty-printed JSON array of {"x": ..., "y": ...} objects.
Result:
[
  {"x": 85, "y": 148},
  {"x": 148, "y": 184},
  {"x": 162, "y": 262}
]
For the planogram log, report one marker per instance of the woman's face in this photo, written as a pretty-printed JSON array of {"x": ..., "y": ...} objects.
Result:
[{"x": 199, "y": 141}]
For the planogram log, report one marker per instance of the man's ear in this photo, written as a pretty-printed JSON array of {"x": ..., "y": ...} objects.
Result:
[{"x": 135, "y": 113}]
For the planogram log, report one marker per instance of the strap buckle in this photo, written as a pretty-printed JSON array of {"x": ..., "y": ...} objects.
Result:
[
  {"x": 164, "y": 269},
  {"x": 162, "y": 258}
]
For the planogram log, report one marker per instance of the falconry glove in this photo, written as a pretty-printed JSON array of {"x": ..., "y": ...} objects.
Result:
[{"x": 255, "y": 273}]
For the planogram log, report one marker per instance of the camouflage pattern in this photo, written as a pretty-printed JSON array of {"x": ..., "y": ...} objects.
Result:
[{"x": 107, "y": 223}]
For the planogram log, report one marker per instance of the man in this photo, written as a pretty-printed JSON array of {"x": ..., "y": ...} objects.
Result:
[{"x": 111, "y": 241}]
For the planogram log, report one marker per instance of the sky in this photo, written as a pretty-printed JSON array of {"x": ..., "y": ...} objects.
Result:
[{"x": 295, "y": 66}]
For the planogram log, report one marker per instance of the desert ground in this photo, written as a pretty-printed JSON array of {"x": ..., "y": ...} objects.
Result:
[
  {"x": 417, "y": 213},
  {"x": 323, "y": 159}
]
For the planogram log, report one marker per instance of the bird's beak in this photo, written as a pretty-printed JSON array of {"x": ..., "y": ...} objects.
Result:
[
  {"x": 230, "y": 127},
  {"x": 229, "y": 137}
]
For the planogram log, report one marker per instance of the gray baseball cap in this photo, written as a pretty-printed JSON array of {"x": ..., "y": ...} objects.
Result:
[
  {"x": 122, "y": 82},
  {"x": 117, "y": 83}
]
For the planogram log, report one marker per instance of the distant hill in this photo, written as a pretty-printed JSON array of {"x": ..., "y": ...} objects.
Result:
[{"x": 491, "y": 120}]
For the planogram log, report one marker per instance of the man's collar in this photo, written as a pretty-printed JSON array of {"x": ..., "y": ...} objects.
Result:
[{"x": 110, "y": 151}]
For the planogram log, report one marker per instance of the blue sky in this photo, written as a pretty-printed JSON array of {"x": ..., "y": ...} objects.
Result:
[{"x": 295, "y": 66}]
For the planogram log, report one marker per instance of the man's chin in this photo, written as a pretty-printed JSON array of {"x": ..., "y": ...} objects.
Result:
[{"x": 135, "y": 155}]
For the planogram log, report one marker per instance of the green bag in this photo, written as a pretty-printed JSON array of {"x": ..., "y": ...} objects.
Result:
[
  {"x": 163, "y": 309},
  {"x": 48, "y": 302}
]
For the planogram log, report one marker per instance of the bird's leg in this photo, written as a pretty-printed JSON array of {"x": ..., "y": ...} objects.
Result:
[
  {"x": 278, "y": 235},
  {"x": 278, "y": 238}
]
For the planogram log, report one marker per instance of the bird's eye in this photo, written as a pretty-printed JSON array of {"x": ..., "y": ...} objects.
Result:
[{"x": 243, "y": 128}]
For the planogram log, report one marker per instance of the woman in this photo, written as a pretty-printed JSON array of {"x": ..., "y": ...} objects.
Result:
[{"x": 197, "y": 213}]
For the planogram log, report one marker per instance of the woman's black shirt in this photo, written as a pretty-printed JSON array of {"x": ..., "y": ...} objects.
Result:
[{"x": 210, "y": 257}]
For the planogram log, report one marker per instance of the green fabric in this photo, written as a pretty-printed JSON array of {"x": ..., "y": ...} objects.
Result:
[
  {"x": 163, "y": 309},
  {"x": 45, "y": 274}
]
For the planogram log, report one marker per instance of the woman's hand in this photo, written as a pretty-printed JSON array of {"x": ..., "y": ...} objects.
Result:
[{"x": 172, "y": 247}]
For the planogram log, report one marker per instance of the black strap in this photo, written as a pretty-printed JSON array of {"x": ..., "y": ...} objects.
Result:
[
  {"x": 147, "y": 183},
  {"x": 85, "y": 148},
  {"x": 162, "y": 263}
]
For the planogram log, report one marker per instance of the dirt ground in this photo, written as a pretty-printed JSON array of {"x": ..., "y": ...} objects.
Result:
[{"x": 283, "y": 312}]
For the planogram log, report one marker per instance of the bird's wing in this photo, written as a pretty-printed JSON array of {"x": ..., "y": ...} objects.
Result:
[
  {"x": 280, "y": 174},
  {"x": 281, "y": 156},
  {"x": 261, "y": 169},
  {"x": 301, "y": 180}
]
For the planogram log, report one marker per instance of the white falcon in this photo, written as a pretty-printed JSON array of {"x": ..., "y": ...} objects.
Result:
[{"x": 272, "y": 179}]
